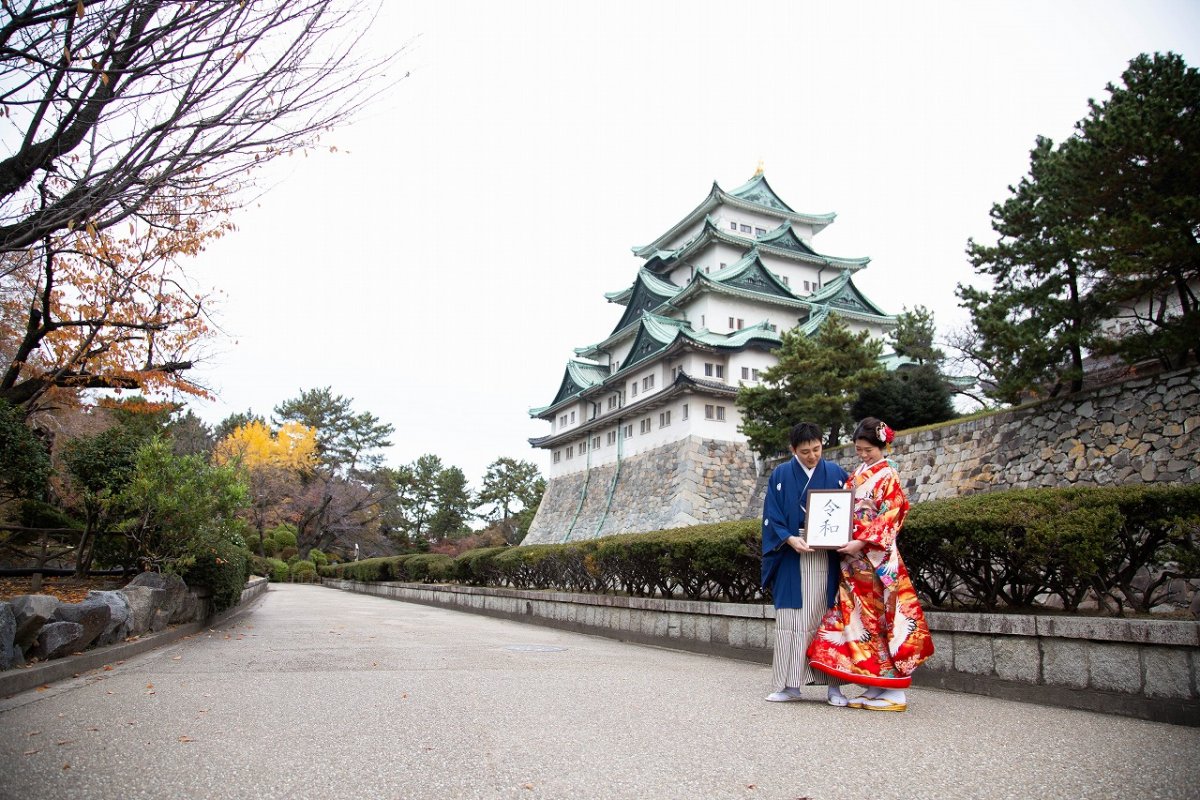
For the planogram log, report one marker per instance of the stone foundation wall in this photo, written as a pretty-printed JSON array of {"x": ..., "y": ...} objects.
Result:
[
  {"x": 1141, "y": 668},
  {"x": 1140, "y": 431},
  {"x": 690, "y": 482}
]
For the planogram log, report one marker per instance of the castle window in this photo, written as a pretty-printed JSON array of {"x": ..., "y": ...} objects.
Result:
[
  {"x": 628, "y": 431},
  {"x": 633, "y": 389},
  {"x": 583, "y": 447},
  {"x": 645, "y": 425},
  {"x": 664, "y": 419},
  {"x": 784, "y": 278},
  {"x": 557, "y": 456},
  {"x": 595, "y": 442},
  {"x": 807, "y": 286},
  {"x": 723, "y": 265},
  {"x": 612, "y": 437},
  {"x": 733, "y": 226},
  {"x": 647, "y": 383},
  {"x": 745, "y": 373},
  {"x": 714, "y": 370},
  {"x": 684, "y": 414},
  {"x": 745, "y": 228},
  {"x": 760, "y": 231},
  {"x": 714, "y": 412},
  {"x": 570, "y": 451},
  {"x": 572, "y": 417}
]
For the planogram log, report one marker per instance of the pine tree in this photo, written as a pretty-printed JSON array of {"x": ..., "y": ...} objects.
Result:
[{"x": 816, "y": 379}]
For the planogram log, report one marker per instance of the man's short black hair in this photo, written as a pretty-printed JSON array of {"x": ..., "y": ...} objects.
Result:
[{"x": 804, "y": 432}]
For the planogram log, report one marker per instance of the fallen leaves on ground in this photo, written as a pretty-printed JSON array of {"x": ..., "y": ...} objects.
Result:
[{"x": 69, "y": 590}]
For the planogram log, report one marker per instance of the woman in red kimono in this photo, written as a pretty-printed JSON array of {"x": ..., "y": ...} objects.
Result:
[{"x": 874, "y": 633}]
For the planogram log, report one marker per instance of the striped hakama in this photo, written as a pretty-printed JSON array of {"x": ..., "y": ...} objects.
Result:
[{"x": 795, "y": 627}]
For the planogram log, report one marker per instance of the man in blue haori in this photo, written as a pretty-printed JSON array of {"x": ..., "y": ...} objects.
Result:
[{"x": 802, "y": 581}]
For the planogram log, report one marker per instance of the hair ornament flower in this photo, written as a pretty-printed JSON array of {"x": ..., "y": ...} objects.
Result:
[{"x": 884, "y": 433}]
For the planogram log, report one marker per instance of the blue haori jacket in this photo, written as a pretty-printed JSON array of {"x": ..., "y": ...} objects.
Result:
[{"x": 783, "y": 516}]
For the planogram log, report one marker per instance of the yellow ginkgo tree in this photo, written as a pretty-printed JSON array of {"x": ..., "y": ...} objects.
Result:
[{"x": 276, "y": 464}]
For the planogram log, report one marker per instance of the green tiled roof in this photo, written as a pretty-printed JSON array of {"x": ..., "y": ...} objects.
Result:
[
  {"x": 757, "y": 190},
  {"x": 654, "y": 335},
  {"x": 841, "y": 294},
  {"x": 785, "y": 238},
  {"x": 748, "y": 278},
  {"x": 647, "y": 282},
  {"x": 755, "y": 195},
  {"x": 579, "y": 375}
]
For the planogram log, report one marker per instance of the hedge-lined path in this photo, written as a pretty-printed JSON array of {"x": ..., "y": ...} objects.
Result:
[{"x": 317, "y": 693}]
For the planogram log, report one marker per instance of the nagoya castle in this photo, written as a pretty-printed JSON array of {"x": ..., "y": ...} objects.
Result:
[{"x": 644, "y": 431}]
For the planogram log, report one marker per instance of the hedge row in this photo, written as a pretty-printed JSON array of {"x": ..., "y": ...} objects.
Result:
[
  {"x": 418, "y": 567},
  {"x": 718, "y": 561},
  {"x": 1015, "y": 548},
  {"x": 1011, "y": 549}
]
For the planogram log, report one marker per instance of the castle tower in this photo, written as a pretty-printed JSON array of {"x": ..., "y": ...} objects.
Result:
[{"x": 644, "y": 431}]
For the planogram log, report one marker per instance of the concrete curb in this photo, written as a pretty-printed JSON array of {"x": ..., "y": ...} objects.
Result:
[{"x": 22, "y": 679}]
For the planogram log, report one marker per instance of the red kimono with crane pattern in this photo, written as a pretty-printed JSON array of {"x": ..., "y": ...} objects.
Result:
[{"x": 875, "y": 632}]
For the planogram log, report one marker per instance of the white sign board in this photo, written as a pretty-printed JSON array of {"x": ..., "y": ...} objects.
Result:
[{"x": 828, "y": 518}]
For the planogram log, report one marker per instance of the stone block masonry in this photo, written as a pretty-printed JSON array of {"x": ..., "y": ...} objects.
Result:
[
  {"x": 690, "y": 482},
  {"x": 1141, "y": 431},
  {"x": 1141, "y": 668}
]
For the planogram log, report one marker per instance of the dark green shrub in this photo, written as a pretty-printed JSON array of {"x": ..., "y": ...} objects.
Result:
[
  {"x": 478, "y": 567},
  {"x": 288, "y": 553},
  {"x": 317, "y": 557},
  {"x": 303, "y": 572},
  {"x": 223, "y": 568},
  {"x": 279, "y": 570},
  {"x": 284, "y": 535},
  {"x": 1005, "y": 549},
  {"x": 269, "y": 547},
  {"x": 429, "y": 567}
]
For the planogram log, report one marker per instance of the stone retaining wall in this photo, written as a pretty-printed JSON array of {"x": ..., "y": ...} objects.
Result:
[
  {"x": 1141, "y": 431},
  {"x": 689, "y": 482},
  {"x": 1140, "y": 668}
]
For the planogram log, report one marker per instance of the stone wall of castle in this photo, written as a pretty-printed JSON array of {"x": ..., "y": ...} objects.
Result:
[
  {"x": 1141, "y": 431},
  {"x": 689, "y": 482}
]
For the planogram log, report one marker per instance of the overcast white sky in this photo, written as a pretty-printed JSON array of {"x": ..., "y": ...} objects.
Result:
[{"x": 442, "y": 270}]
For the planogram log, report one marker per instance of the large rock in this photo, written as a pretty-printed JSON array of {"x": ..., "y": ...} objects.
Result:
[
  {"x": 93, "y": 614},
  {"x": 145, "y": 609},
  {"x": 32, "y": 611},
  {"x": 173, "y": 585},
  {"x": 8, "y": 632},
  {"x": 57, "y": 639},
  {"x": 118, "y": 621}
]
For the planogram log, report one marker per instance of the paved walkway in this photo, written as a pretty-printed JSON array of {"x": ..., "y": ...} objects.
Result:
[{"x": 318, "y": 693}]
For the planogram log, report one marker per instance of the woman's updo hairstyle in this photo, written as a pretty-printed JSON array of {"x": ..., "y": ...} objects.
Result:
[{"x": 875, "y": 432}]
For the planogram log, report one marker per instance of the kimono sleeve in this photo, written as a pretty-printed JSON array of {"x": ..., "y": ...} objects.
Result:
[
  {"x": 892, "y": 507},
  {"x": 775, "y": 526}
]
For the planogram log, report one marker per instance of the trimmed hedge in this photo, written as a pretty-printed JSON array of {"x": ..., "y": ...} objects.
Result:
[
  {"x": 1011, "y": 549},
  {"x": 302, "y": 572},
  {"x": 422, "y": 567}
]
